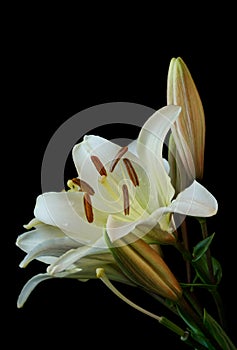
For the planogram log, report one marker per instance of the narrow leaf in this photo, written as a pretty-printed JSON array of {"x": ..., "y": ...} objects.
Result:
[
  {"x": 218, "y": 333},
  {"x": 200, "y": 249}
]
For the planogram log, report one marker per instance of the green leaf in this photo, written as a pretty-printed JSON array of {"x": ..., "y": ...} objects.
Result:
[
  {"x": 202, "y": 271},
  {"x": 200, "y": 249},
  {"x": 195, "y": 332},
  {"x": 217, "y": 269},
  {"x": 218, "y": 333}
]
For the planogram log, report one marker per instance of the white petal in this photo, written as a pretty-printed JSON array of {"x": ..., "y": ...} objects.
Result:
[
  {"x": 30, "y": 286},
  {"x": 195, "y": 200},
  {"x": 166, "y": 165},
  {"x": 150, "y": 147},
  {"x": 49, "y": 250},
  {"x": 66, "y": 211},
  {"x": 28, "y": 240},
  {"x": 72, "y": 256},
  {"x": 132, "y": 147},
  {"x": 117, "y": 229},
  {"x": 34, "y": 222}
]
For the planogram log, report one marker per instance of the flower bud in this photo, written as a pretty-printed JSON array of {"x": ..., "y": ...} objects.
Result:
[
  {"x": 188, "y": 132},
  {"x": 146, "y": 268}
]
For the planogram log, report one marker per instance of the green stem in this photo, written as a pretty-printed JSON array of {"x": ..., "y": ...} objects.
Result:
[
  {"x": 185, "y": 336},
  {"x": 219, "y": 306},
  {"x": 186, "y": 245},
  {"x": 193, "y": 300},
  {"x": 203, "y": 225},
  {"x": 206, "y": 279},
  {"x": 215, "y": 294}
]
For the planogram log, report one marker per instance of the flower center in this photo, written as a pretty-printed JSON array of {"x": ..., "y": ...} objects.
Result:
[{"x": 119, "y": 185}]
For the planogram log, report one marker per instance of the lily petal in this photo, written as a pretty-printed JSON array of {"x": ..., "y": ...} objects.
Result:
[
  {"x": 117, "y": 229},
  {"x": 71, "y": 256},
  {"x": 28, "y": 240},
  {"x": 66, "y": 211},
  {"x": 150, "y": 147},
  {"x": 49, "y": 250},
  {"x": 30, "y": 286},
  {"x": 195, "y": 200}
]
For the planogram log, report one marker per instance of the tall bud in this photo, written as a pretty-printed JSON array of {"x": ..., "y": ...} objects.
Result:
[{"x": 187, "y": 142}]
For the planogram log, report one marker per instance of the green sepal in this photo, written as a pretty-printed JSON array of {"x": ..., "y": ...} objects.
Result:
[{"x": 200, "y": 249}]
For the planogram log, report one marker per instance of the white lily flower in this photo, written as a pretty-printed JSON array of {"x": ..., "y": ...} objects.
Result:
[
  {"x": 118, "y": 190},
  {"x": 121, "y": 192}
]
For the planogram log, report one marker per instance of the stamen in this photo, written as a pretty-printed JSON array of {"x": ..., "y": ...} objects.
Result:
[
  {"x": 85, "y": 187},
  {"x": 118, "y": 156},
  {"x": 125, "y": 199},
  {"x": 88, "y": 208},
  {"x": 131, "y": 172},
  {"x": 99, "y": 166}
]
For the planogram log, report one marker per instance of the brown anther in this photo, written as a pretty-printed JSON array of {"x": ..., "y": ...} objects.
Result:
[
  {"x": 85, "y": 187},
  {"x": 88, "y": 207},
  {"x": 125, "y": 199},
  {"x": 131, "y": 172},
  {"x": 118, "y": 156},
  {"x": 99, "y": 166}
]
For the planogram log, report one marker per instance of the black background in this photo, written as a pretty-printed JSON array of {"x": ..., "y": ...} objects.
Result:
[{"x": 61, "y": 66}]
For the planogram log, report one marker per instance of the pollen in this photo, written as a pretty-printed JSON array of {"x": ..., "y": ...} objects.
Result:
[
  {"x": 118, "y": 156},
  {"x": 88, "y": 207},
  {"x": 125, "y": 199},
  {"x": 131, "y": 172},
  {"x": 99, "y": 165}
]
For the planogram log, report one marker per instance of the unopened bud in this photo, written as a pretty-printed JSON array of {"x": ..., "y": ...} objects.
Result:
[
  {"x": 146, "y": 268},
  {"x": 188, "y": 132}
]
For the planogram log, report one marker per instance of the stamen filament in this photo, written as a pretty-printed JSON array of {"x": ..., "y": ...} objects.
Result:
[
  {"x": 85, "y": 187},
  {"x": 88, "y": 207},
  {"x": 125, "y": 199},
  {"x": 99, "y": 166},
  {"x": 131, "y": 172},
  {"x": 118, "y": 156}
]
